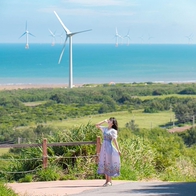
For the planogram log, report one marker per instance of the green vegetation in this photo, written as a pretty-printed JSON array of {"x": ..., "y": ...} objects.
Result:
[
  {"x": 4, "y": 151},
  {"x": 146, "y": 154},
  {"x": 5, "y": 191},
  {"x": 143, "y": 120},
  {"x": 144, "y": 113}
]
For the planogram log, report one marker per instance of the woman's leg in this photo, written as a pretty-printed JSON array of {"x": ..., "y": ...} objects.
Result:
[
  {"x": 109, "y": 179},
  {"x": 106, "y": 178}
]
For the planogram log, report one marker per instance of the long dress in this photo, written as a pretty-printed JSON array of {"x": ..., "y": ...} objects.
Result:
[{"x": 109, "y": 159}]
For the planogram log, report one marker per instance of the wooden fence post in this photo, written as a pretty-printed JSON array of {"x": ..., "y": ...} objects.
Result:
[
  {"x": 44, "y": 152},
  {"x": 98, "y": 148}
]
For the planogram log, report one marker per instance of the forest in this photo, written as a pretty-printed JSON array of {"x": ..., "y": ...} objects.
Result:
[{"x": 146, "y": 153}]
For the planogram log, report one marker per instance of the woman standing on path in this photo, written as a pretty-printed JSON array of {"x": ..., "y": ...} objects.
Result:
[{"x": 109, "y": 159}]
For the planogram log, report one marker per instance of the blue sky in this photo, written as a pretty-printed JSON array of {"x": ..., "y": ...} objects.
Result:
[{"x": 149, "y": 21}]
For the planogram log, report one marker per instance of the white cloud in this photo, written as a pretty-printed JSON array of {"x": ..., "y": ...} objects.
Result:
[{"x": 100, "y": 2}]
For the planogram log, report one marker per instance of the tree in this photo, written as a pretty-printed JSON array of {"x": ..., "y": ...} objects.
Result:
[{"x": 132, "y": 126}]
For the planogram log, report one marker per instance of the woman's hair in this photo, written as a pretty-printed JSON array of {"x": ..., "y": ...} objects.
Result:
[{"x": 114, "y": 123}]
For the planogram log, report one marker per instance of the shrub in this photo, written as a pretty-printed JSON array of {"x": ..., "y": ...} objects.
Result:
[{"x": 51, "y": 173}]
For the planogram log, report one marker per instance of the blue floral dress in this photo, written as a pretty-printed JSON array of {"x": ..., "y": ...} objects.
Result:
[{"x": 109, "y": 159}]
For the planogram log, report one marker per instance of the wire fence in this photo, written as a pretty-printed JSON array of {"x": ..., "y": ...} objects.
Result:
[
  {"x": 37, "y": 169},
  {"x": 45, "y": 156}
]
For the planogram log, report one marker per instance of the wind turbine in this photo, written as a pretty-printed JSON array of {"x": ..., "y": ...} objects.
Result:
[
  {"x": 189, "y": 37},
  {"x": 27, "y": 33},
  {"x": 69, "y": 35},
  {"x": 149, "y": 38},
  {"x": 61, "y": 38},
  {"x": 128, "y": 38},
  {"x": 117, "y": 36},
  {"x": 53, "y": 37},
  {"x": 142, "y": 39}
]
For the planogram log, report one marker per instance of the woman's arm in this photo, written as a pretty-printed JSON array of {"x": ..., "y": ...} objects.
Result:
[
  {"x": 116, "y": 145},
  {"x": 100, "y": 123}
]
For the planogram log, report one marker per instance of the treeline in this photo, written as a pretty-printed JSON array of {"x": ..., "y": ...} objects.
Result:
[{"x": 60, "y": 103}]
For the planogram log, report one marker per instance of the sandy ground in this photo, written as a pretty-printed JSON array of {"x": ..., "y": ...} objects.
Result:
[{"x": 28, "y": 86}]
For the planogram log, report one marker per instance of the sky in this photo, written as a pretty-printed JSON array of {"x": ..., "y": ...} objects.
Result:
[{"x": 147, "y": 21}]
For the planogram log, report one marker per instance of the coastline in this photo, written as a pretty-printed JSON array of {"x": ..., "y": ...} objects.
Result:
[
  {"x": 30, "y": 86},
  {"x": 43, "y": 86}
]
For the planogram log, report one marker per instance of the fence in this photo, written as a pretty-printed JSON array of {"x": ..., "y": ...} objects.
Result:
[{"x": 44, "y": 146}]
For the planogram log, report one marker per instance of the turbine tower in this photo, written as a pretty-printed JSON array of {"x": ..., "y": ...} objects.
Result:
[
  {"x": 27, "y": 33},
  {"x": 53, "y": 37},
  {"x": 69, "y": 35},
  {"x": 117, "y": 36}
]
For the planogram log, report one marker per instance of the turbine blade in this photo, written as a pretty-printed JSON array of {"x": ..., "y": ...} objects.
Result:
[
  {"x": 62, "y": 51},
  {"x": 51, "y": 32},
  {"x": 80, "y": 31},
  {"x": 31, "y": 34},
  {"x": 116, "y": 31},
  {"x": 65, "y": 28},
  {"x": 22, "y": 35}
]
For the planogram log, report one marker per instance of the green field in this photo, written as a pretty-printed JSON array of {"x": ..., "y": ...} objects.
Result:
[
  {"x": 165, "y": 96},
  {"x": 143, "y": 120},
  {"x": 3, "y": 151}
]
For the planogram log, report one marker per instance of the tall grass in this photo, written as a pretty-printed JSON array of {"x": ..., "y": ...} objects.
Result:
[
  {"x": 6, "y": 191},
  {"x": 146, "y": 154}
]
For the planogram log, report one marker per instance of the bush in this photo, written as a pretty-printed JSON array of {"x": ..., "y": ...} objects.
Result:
[
  {"x": 49, "y": 174},
  {"x": 27, "y": 178}
]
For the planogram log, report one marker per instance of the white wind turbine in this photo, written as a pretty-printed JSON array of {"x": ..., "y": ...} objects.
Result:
[
  {"x": 69, "y": 35},
  {"x": 61, "y": 38},
  {"x": 189, "y": 37},
  {"x": 128, "y": 38},
  {"x": 53, "y": 37},
  {"x": 117, "y": 36},
  {"x": 149, "y": 38},
  {"x": 27, "y": 33}
]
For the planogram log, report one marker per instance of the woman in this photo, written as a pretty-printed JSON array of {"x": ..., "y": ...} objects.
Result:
[{"x": 109, "y": 159}]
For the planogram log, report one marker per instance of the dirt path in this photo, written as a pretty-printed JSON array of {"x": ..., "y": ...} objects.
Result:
[{"x": 179, "y": 129}]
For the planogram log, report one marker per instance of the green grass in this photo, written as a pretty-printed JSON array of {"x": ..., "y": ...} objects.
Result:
[
  {"x": 143, "y": 120},
  {"x": 6, "y": 191},
  {"x": 3, "y": 151},
  {"x": 165, "y": 96}
]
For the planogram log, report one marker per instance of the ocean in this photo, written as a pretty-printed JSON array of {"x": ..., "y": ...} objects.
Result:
[{"x": 97, "y": 63}]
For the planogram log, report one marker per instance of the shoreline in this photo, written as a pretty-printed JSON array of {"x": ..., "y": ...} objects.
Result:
[
  {"x": 40, "y": 86},
  {"x": 30, "y": 86}
]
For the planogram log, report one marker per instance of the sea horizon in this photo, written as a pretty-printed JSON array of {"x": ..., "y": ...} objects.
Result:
[{"x": 97, "y": 63}]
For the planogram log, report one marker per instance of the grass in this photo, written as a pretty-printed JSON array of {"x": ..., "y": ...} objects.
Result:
[
  {"x": 143, "y": 120},
  {"x": 3, "y": 151},
  {"x": 165, "y": 96},
  {"x": 6, "y": 191}
]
